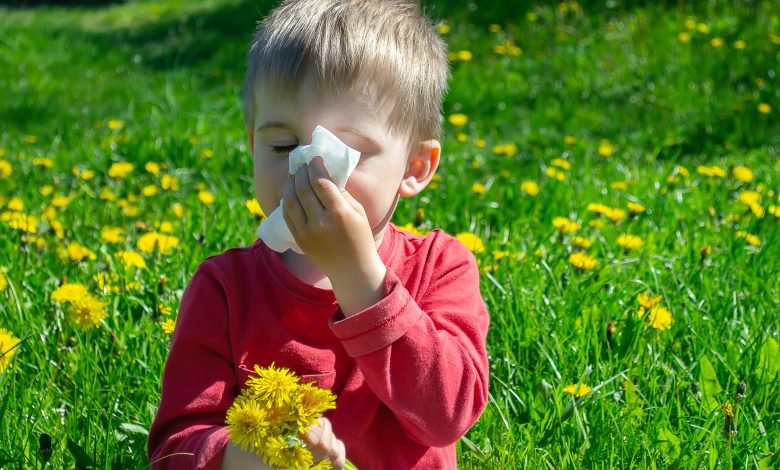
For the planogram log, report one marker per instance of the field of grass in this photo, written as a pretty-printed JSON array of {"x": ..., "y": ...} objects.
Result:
[{"x": 604, "y": 157}]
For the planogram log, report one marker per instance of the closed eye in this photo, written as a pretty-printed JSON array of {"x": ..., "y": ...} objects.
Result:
[{"x": 283, "y": 148}]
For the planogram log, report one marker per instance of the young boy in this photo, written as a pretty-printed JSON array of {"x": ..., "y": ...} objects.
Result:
[{"x": 392, "y": 323}]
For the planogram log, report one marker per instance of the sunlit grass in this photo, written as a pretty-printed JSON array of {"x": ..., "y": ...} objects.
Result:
[{"x": 628, "y": 123}]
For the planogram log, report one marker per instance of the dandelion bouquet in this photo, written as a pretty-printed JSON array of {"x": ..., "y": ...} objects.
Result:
[{"x": 271, "y": 414}]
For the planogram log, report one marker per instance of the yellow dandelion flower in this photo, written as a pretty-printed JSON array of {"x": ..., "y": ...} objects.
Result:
[
  {"x": 764, "y": 108},
  {"x": 169, "y": 183},
  {"x": 166, "y": 227},
  {"x": 149, "y": 190},
  {"x": 529, "y": 187},
  {"x": 479, "y": 188},
  {"x": 582, "y": 242},
  {"x": 464, "y": 55},
  {"x": 5, "y": 169},
  {"x": 749, "y": 197},
  {"x": 76, "y": 252},
  {"x": 43, "y": 162},
  {"x": 648, "y": 302},
  {"x": 106, "y": 194},
  {"x": 480, "y": 143},
  {"x": 272, "y": 385},
  {"x": 87, "y": 311},
  {"x": 716, "y": 42},
  {"x": 111, "y": 234},
  {"x": 739, "y": 44},
  {"x": 635, "y": 208},
  {"x": 757, "y": 210},
  {"x": 46, "y": 190},
  {"x": 711, "y": 171},
  {"x": 9, "y": 345},
  {"x": 20, "y": 221},
  {"x": 500, "y": 254},
  {"x": 458, "y": 119},
  {"x": 569, "y": 140},
  {"x": 582, "y": 261},
  {"x": 629, "y": 242},
  {"x": 508, "y": 150},
  {"x": 660, "y": 318},
  {"x": 131, "y": 259},
  {"x": 149, "y": 242},
  {"x": 207, "y": 153},
  {"x": 115, "y": 124},
  {"x": 69, "y": 292},
  {"x": 606, "y": 149},
  {"x": 555, "y": 174},
  {"x": 206, "y": 197},
  {"x": 462, "y": 138},
  {"x": 774, "y": 210},
  {"x": 168, "y": 326},
  {"x": 120, "y": 170},
  {"x": 703, "y": 28},
  {"x": 619, "y": 185},
  {"x": 3, "y": 280},
  {"x": 749, "y": 238},
  {"x": 565, "y": 225},
  {"x": 684, "y": 37},
  {"x": 311, "y": 402},
  {"x": 177, "y": 209},
  {"x": 443, "y": 28},
  {"x": 247, "y": 423},
  {"x": 561, "y": 163},
  {"x": 60, "y": 201},
  {"x": 471, "y": 241},
  {"x": 152, "y": 168},
  {"x": 742, "y": 173},
  {"x": 15, "y": 204},
  {"x": 579, "y": 390},
  {"x": 31, "y": 139}
]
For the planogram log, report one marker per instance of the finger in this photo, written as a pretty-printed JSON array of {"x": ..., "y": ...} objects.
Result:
[
  {"x": 291, "y": 208},
  {"x": 338, "y": 457},
  {"x": 327, "y": 191},
  {"x": 306, "y": 195}
]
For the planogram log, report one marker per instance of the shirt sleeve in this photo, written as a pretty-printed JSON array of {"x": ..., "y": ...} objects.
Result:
[
  {"x": 426, "y": 358},
  {"x": 198, "y": 383}
]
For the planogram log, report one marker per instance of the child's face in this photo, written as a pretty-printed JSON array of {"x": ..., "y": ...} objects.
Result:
[{"x": 282, "y": 125}]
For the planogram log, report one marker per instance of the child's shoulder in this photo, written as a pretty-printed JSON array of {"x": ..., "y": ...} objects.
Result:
[
  {"x": 432, "y": 244},
  {"x": 235, "y": 261}
]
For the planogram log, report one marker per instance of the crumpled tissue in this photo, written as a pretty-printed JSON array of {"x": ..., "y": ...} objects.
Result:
[{"x": 340, "y": 161}]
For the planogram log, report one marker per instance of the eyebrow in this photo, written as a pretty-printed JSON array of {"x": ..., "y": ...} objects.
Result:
[
  {"x": 270, "y": 124},
  {"x": 356, "y": 132}
]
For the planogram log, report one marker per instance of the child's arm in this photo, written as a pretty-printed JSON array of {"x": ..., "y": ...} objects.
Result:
[
  {"x": 426, "y": 358},
  {"x": 199, "y": 382}
]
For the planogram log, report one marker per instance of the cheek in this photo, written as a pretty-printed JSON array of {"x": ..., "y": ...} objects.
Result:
[{"x": 269, "y": 181}]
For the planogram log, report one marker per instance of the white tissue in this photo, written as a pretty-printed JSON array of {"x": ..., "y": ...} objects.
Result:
[{"x": 340, "y": 161}]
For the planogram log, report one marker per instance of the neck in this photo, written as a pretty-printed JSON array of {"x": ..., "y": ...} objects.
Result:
[{"x": 308, "y": 272}]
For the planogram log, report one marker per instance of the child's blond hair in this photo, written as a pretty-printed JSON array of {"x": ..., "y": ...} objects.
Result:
[{"x": 387, "y": 48}]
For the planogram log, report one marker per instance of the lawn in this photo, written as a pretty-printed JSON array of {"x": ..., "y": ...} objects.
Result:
[{"x": 614, "y": 167}]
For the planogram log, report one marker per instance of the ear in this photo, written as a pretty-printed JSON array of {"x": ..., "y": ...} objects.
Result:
[
  {"x": 251, "y": 141},
  {"x": 420, "y": 168}
]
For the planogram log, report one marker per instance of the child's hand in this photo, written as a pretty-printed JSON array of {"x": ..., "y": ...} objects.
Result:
[
  {"x": 323, "y": 444},
  {"x": 237, "y": 459},
  {"x": 332, "y": 229}
]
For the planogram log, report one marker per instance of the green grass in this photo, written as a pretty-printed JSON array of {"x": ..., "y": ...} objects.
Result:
[{"x": 172, "y": 71}]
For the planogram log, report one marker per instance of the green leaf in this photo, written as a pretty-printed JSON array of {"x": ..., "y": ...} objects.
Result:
[
  {"x": 633, "y": 402},
  {"x": 133, "y": 428},
  {"x": 713, "y": 457},
  {"x": 83, "y": 461},
  {"x": 669, "y": 443},
  {"x": 768, "y": 361},
  {"x": 710, "y": 387}
]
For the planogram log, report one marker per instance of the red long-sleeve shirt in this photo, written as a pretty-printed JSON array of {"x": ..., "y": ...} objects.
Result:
[{"x": 410, "y": 373}]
